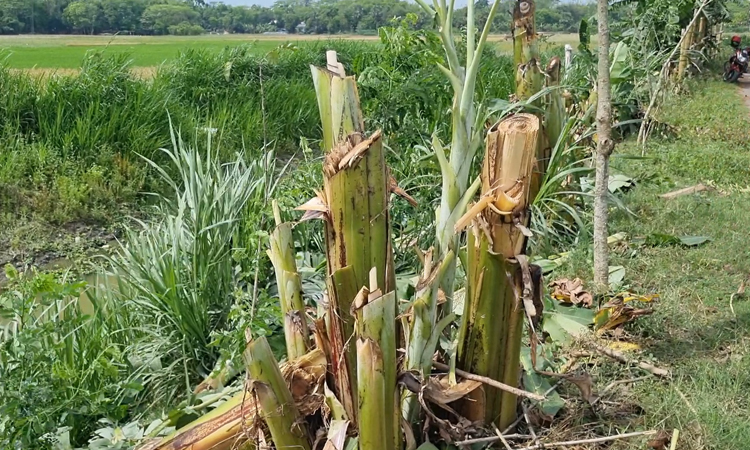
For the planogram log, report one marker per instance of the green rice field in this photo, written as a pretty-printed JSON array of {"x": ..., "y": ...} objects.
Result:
[{"x": 67, "y": 52}]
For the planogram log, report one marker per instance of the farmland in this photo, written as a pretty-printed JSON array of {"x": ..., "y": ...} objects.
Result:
[{"x": 67, "y": 52}]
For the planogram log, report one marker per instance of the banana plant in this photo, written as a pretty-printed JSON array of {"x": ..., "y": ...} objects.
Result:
[{"x": 455, "y": 162}]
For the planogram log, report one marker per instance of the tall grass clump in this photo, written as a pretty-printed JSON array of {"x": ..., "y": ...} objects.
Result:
[
  {"x": 175, "y": 273},
  {"x": 213, "y": 87},
  {"x": 17, "y": 96},
  {"x": 104, "y": 107},
  {"x": 68, "y": 143}
]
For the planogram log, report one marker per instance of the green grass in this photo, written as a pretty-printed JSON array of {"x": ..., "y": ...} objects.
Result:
[
  {"x": 693, "y": 331},
  {"x": 67, "y": 52},
  {"x": 143, "y": 55}
]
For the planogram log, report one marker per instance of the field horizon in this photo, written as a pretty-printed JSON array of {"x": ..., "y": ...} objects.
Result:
[{"x": 44, "y": 52}]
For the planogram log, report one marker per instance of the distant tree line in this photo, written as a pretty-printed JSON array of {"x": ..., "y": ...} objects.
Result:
[{"x": 184, "y": 17}]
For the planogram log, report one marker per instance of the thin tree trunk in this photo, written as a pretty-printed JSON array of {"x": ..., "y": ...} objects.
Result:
[{"x": 604, "y": 149}]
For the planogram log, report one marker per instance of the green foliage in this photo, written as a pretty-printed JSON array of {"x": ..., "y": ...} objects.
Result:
[
  {"x": 739, "y": 14},
  {"x": 163, "y": 19},
  {"x": 82, "y": 16},
  {"x": 186, "y": 287},
  {"x": 158, "y": 16},
  {"x": 13, "y": 16},
  {"x": 186, "y": 29},
  {"x": 692, "y": 324},
  {"x": 538, "y": 383},
  {"x": 565, "y": 323},
  {"x": 558, "y": 214},
  {"x": 551, "y": 15},
  {"x": 71, "y": 143},
  {"x": 59, "y": 367},
  {"x": 309, "y": 17},
  {"x": 171, "y": 308},
  {"x": 88, "y": 129},
  {"x": 178, "y": 270},
  {"x": 649, "y": 26}
]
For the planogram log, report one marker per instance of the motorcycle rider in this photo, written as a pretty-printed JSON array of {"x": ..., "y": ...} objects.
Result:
[{"x": 736, "y": 43}]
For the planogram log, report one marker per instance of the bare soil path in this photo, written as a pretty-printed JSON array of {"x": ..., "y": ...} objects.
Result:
[{"x": 744, "y": 84}]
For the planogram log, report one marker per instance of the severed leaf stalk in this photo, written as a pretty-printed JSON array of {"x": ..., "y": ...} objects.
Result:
[
  {"x": 555, "y": 116},
  {"x": 490, "y": 335},
  {"x": 274, "y": 398},
  {"x": 224, "y": 427},
  {"x": 282, "y": 256},
  {"x": 379, "y": 420},
  {"x": 685, "y": 47},
  {"x": 354, "y": 205},
  {"x": 529, "y": 79}
]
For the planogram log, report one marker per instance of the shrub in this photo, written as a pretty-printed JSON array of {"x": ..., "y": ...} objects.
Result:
[
  {"x": 186, "y": 29},
  {"x": 59, "y": 367}
]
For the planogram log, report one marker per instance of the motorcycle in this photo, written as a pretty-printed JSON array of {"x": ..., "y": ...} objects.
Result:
[{"x": 737, "y": 65}]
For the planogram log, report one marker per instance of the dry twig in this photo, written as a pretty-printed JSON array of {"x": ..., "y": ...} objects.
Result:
[
  {"x": 617, "y": 356},
  {"x": 687, "y": 402},
  {"x": 502, "y": 438},
  {"x": 611, "y": 385},
  {"x": 740, "y": 293},
  {"x": 549, "y": 391},
  {"x": 491, "y": 382},
  {"x": 675, "y": 436},
  {"x": 528, "y": 423},
  {"x": 491, "y": 439},
  {"x": 589, "y": 441},
  {"x": 685, "y": 191}
]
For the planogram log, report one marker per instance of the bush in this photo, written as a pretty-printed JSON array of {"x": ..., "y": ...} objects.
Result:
[
  {"x": 59, "y": 367},
  {"x": 186, "y": 29}
]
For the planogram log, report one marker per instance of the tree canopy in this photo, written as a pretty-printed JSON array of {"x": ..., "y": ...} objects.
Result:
[{"x": 292, "y": 16}]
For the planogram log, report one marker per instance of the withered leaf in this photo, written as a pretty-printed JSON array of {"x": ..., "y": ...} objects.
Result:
[
  {"x": 619, "y": 310},
  {"x": 660, "y": 441},
  {"x": 337, "y": 435},
  {"x": 315, "y": 208},
  {"x": 355, "y": 153},
  {"x": 571, "y": 291},
  {"x": 441, "y": 392},
  {"x": 411, "y": 441},
  {"x": 585, "y": 384},
  {"x": 624, "y": 346},
  {"x": 396, "y": 189}
]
